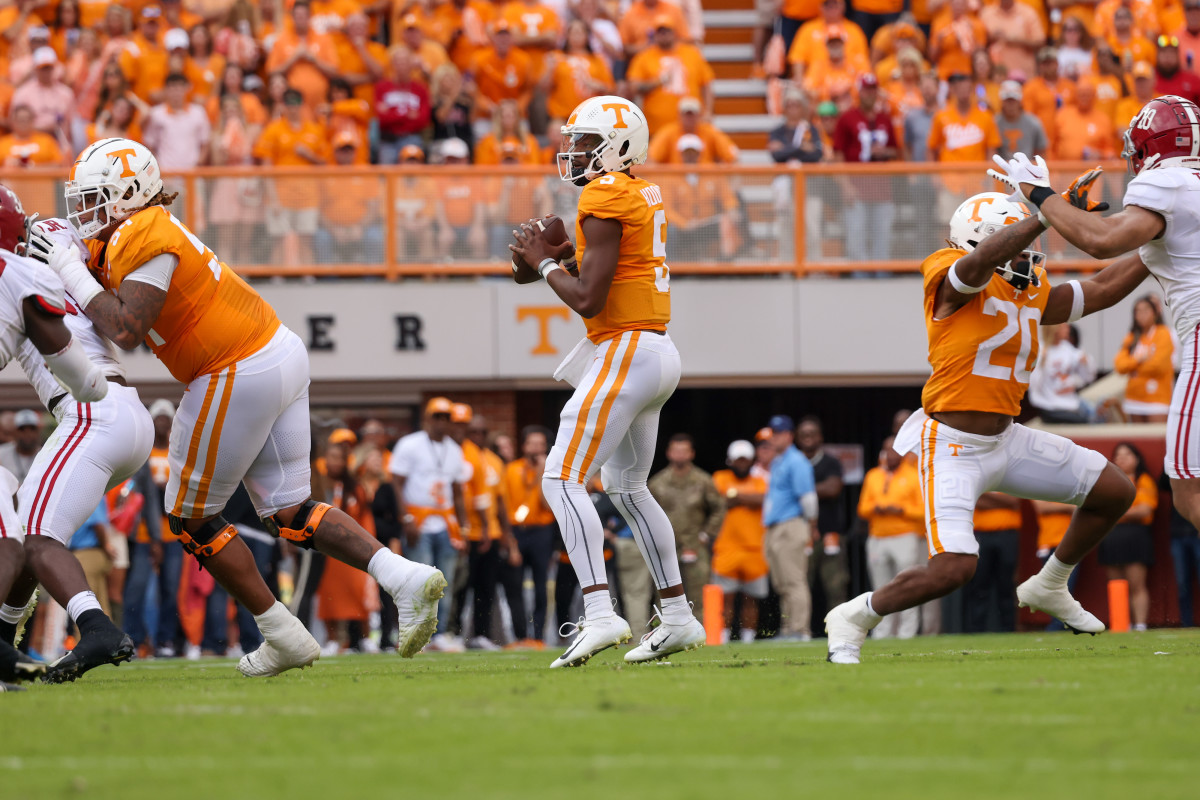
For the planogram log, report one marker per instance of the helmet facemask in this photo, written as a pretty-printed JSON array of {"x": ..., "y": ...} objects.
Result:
[
  {"x": 581, "y": 162},
  {"x": 90, "y": 209},
  {"x": 1022, "y": 270}
]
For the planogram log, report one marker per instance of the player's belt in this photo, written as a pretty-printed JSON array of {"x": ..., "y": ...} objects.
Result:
[{"x": 54, "y": 401}]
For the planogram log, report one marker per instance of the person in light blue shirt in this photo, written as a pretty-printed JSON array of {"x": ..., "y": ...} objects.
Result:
[
  {"x": 90, "y": 546},
  {"x": 788, "y": 512}
]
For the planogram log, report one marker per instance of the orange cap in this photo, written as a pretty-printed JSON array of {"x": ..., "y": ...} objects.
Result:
[
  {"x": 343, "y": 436},
  {"x": 410, "y": 21},
  {"x": 1142, "y": 69},
  {"x": 412, "y": 151},
  {"x": 500, "y": 25},
  {"x": 438, "y": 405},
  {"x": 460, "y": 412},
  {"x": 664, "y": 21},
  {"x": 763, "y": 434},
  {"x": 345, "y": 138}
]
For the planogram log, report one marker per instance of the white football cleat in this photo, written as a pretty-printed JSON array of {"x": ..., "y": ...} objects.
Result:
[
  {"x": 417, "y": 608},
  {"x": 291, "y": 648},
  {"x": 591, "y": 636},
  {"x": 667, "y": 639},
  {"x": 1058, "y": 603},
  {"x": 847, "y": 626}
]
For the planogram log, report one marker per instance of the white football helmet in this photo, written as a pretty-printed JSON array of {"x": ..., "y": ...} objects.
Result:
[
  {"x": 984, "y": 214},
  {"x": 111, "y": 179},
  {"x": 607, "y": 134}
]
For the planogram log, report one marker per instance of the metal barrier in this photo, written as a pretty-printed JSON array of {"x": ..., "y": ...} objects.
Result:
[{"x": 440, "y": 221}]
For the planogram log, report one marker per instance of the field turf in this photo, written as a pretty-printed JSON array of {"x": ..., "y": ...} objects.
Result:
[{"x": 1013, "y": 716}]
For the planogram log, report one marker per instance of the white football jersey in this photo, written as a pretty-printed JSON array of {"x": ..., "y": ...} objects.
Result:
[
  {"x": 1174, "y": 257},
  {"x": 430, "y": 470},
  {"x": 97, "y": 348},
  {"x": 20, "y": 278}
]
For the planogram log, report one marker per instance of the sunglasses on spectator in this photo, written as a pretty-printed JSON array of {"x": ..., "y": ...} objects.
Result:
[{"x": 1168, "y": 41}]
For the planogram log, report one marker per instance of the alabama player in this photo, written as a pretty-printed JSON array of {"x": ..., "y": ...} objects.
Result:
[
  {"x": 32, "y": 308},
  {"x": 1161, "y": 221},
  {"x": 629, "y": 370},
  {"x": 985, "y": 296},
  {"x": 245, "y": 414},
  {"x": 95, "y": 447}
]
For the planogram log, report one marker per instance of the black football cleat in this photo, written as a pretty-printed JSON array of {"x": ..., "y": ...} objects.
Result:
[
  {"x": 95, "y": 649},
  {"x": 16, "y": 666}
]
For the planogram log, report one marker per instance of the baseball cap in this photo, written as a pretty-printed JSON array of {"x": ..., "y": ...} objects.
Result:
[
  {"x": 663, "y": 21},
  {"x": 438, "y": 405},
  {"x": 739, "y": 449},
  {"x": 343, "y": 436},
  {"x": 252, "y": 83},
  {"x": 689, "y": 104},
  {"x": 44, "y": 57},
  {"x": 176, "y": 39},
  {"x": 690, "y": 141},
  {"x": 828, "y": 108},
  {"x": 1142, "y": 69},
  {"x": 455, "y": 148},
  {"x": 162, "y": 407},
  {"x": 780, "y": 423},
  {"x": 412, "y": 152},
  {"x": 1047, "y": 54},
  {"x": 344, "y": 139},
  {"x": 411, "y": 21},
  {"x": 904, "y": 30},
  {"x": 27, "y": 418},
  {"x": 762, "y": 434},
  {"x": 501, "y": 26},
  {"x": 461, "y": 412},
  {"x": 151, "y": 12},
  {"x": 867, "y": 81},
  {"x": 835, "y": 33},
  {"x": 1011, "y": 90},
  {"x": 958, "y": 76}
]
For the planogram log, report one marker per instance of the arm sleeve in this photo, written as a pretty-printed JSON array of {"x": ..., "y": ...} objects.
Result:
[{"x": 157, "y": 271}]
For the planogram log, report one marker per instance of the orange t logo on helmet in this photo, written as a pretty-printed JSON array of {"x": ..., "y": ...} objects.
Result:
[
  {"x": 976, "y": 205},
  {"x": 124, "y": 156},
  {"x": 617, "y": 108}
]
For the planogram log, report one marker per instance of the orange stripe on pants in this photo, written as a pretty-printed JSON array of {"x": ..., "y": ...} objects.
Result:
[
  {"x": 606, "y": 406},
  {"x": 214, "y": 439},
  {"x": 189, "y": 465},
  {"x": 586, "y": 410},
  {"x": 931, "y": 450}
]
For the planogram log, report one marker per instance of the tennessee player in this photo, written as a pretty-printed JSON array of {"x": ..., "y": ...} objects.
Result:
[
  {"x": 245, "y": 414},
  {"x": 623, "y": 373},
  {"x": 985, "y": 296}
]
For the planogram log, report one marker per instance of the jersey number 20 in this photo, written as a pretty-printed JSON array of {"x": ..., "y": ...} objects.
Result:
[{"x": 1021, "y": 322}]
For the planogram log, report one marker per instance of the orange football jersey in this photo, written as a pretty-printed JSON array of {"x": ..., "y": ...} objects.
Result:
[
  {"x": 983, "y": 353},
  {"x": 640, "y": 297},
  {"x": 211, "y": 319}
]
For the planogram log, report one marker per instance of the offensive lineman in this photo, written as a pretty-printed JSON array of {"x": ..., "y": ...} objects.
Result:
[
  {"x": 1161, "y": 221},
  {"x": 985, "y": 296},
  {"x": 32, "y": 308},
  {"x": 245, "y": 413},
  {"x": 628, "y": 372}
]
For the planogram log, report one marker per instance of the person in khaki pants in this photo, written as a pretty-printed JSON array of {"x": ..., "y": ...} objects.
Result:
[
  {"x": 91, "y": 548},
  {"x": 789, "y": 509}
]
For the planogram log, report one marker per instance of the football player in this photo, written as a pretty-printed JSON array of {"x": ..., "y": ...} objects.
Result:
[
  {"x": 985, "y": 296},
  {"x": 626, "y": 370},
  {"x": 32, "y": 307},
  {"x": 1161, "y": 221},
  {"x": 244, "y": 416}
]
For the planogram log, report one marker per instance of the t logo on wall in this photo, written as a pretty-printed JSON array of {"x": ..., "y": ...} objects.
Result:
[{"x": 543, "y": 315}]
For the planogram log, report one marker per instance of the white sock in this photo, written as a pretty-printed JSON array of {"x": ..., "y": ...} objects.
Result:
[
  {"x": 866, "y": 614},
  {"x": 1055, "y": 573},
  {"x": 870, "y": 607},
  {"x": 582, "y": 531},
  {"x": 388, "y": 569},
  {"x": 676, "y": 611},
  {"x": 84, "y": 601},
  {"x": 10, "y": 614},
  {"x": 747, "y": 635},
  {"x": 597, "y": 604},
  {"x": 273, "y": 620},
  {"x": 653, "y": 533}
]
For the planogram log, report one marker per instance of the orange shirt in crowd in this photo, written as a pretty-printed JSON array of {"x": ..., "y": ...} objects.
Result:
[
  {"x": 878, "y": 6},
  {"x": 718, "y": 148},
  {"x": 1043, "y": 100},
  {"x": 279, "y": 146},
  {"x": 1127, "y": 109},
  {"x": 429, "y": 56},
  {"x": 489, "y": 150},
  {"x": 329, "y": 16},
  {"x": 686, "y": 73},
  {"x": 353, "y": 203},
  {"x": 738, "y": 549},
  {"x": 958, "y": 137},
  {"x": 145, "y": 66},
  {"x": 516, "y": 198},
  {"x": 810, "y": 45},
  {"x": 1147, "y": 495},
  {"x": 252, "y": 107},
  {"x": 1145, "y": 17},
  {"x": 1150, "y": 366},
  {"x": 304, "y": 75},
  {"x": 344, "y": 592},
  {"x": 696, "y": 199},
  {"x": 507, "y": 78},
  {"x": 828, "y": 81},
  {"x": 801, "y": 9},
  {"x": 1079, "y": 136},
  {"x": 526, "y": 506},
  {"x": 533, "y": 21},
  {"x": 1108, "y": 94},
  {"x": 460, "y": 199},
  {"x": 637, "y": 24},
  {"x": 1051, "y": 528},
  {"x": 900, "y": 490},
  {"x": 1138, "y": 48},
  {"x": 351, "y": 62},
  {"x": 36, "y": 150},
  {"x": 998, "y": 519},
  {"x": 570, "y": 79},
  {"x": 955, "y": 41},
  {"x": 464, "y": 30},
  {"x": 431, "y": 23}
]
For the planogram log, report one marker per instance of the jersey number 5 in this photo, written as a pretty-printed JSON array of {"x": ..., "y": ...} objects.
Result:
[
  {"x": 662, "y": 275},
  {"x": 1023, "y": 322}
]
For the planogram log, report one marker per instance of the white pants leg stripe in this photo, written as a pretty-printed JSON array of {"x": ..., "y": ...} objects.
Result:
[
  {"x": 191, "y": 486},
  {"x": 82, "y": 425},
  {"x": 590, "y": 426}
]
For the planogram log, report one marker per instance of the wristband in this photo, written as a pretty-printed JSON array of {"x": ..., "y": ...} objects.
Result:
[
  {"x": 1076, "y": 302},
  {"x": 959, "y": 286},
  {"x": 547, "y": 266},
  {"x": 1040, "y": 194}
]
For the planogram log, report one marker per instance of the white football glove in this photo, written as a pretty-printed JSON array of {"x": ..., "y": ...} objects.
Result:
[
  {"x": 1021, "y": 170},
  {"x": 65, "y": 258}
]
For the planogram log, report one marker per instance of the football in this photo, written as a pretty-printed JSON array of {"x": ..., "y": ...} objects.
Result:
[{"x": 555, "y": 231}]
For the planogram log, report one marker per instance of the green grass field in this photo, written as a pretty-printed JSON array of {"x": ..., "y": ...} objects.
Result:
[{"x": 1011, "y": 716}]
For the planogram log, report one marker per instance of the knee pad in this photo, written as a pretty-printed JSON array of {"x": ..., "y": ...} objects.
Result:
[
  {"x": 304, "y": 524},
  {"x": 206, "y": 542}
]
